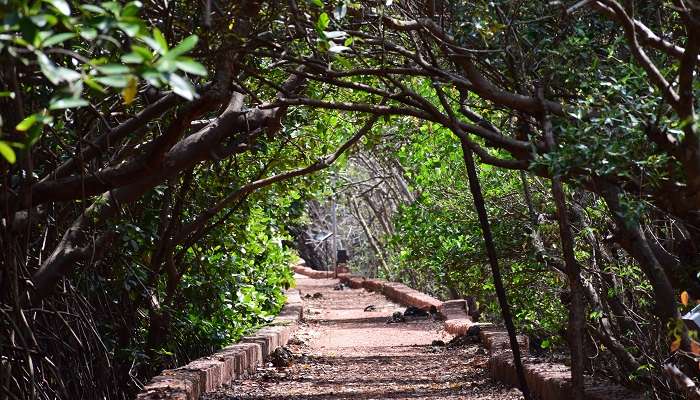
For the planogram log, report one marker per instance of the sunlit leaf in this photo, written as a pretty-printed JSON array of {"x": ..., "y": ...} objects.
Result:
[
  {"x": 54, "y": 73},
  {"x": 130, "y": 91},
  {"x": 68, "y": 75},
  {"x": 191, "y": 67},
  {"x": 113, "y": 69},
  {"x": 61, "y": 5},
  {"x": 90, "y": 81},
  {"x": 132, "y": 9},
  {"x": 68, "y": 102},
  {"x": 183, "y": 47},
  {"x": 112, "y": 6},
  {"x": 88, "y": 33},
  {"x": 182, "y": 87},
  {"x": 117, "y": 81},
  {"x": 335, "y": 34},
  {"x": 132, "y": 58},
  {"x": 58, "y": 38},
  {"x": 338, "y": 49},
  {"x": 7, "y": 152},
  {"x": 48, "y": 68},
  {"x": 143, "y": 52},
  {"x": 26, "y": 123},
  {"x": 131, "y": 28},
  {"x": 160, "y": 39},
  {"x": 92, "y": 8},
  {"x": 322, "y": 22}
]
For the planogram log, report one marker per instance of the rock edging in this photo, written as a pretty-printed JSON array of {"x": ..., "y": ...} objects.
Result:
[
  {"x": 208, "y": 373},
  {"x": 546, "y": 381}
]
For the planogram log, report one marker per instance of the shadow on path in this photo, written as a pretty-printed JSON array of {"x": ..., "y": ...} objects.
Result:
[{"x": 342, "y": 352}]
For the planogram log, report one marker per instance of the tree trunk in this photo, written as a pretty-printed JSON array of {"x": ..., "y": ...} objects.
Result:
[
  {"x": 370, "y": 237},
  {"x": 475, "y": 188},
  {"x": 577, "y": 322}
]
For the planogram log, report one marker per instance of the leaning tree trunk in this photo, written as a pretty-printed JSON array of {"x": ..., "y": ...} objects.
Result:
[
  {"x": 577, "y": 322},
  {"x": 307, "y": 250},
  {"x": 475, "y": 189}
]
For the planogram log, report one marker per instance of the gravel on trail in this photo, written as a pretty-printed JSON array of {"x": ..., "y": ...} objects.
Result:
[{"x": 342, "y": 351}]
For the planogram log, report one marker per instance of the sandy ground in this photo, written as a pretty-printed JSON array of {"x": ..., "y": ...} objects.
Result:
[{"x": 343, "y": 352}]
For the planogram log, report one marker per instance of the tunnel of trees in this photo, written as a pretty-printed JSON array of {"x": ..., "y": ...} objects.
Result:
[{"x": 162, "y": 162}]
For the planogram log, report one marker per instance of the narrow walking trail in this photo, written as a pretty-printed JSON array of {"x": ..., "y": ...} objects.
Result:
[{"x": 344, "y": 352}]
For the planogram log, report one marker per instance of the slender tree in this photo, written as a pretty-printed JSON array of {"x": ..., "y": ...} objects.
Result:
[{"x": 480, "y": 207}]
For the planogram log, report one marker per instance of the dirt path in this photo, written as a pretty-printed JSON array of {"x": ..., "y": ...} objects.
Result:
[{"x": 343, "y": 352}]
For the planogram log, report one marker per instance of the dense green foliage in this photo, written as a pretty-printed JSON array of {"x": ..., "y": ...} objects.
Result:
[
  {"x": 438, "y": 243},
  {"x": 234, "y": 284},
  {"x": 152, "y": 156}
]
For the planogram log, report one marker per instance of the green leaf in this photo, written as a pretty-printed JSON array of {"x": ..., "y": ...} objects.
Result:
[
  {"x": 143, "y": 52},
  {"x": 68, "y": 75},
  {"x": 68, "y": 102},
  {"x": 61, "y": 5},
  {"x": 160, "y": 40},
  {"x": 92, "y": 8},
  {"x": 58, "y": 38},
  {"x": 117, "y": 81},
  {"x": 153, "y": 77},
  {"x": 131, "y": 28},
  {"x": 113, "y": 69},
  {"x": 317, "y": 3},
  {"x": 185, "y": 46},
  {"x": 55, "y": 74},
  {"x": 132, "y": 8},
  {"x": 88, "y": 33},
  {"x": 7, "y": 152},
  {"x": 166, "y": 64},
  {"x": 43, "y": 20},
  {"x": 112, "y": 6},
  {"x": 182, "y": 87},
  {"x": 90, "y": 81},
  {"x": 191, "y": 67},
  {"x": 323, "y": 22},
  {"x": 153, "y": 44},
  {"x": 132, "y": 58},
  {"x": 26, "y": 123},
  {"x": 48, "y": 68}
]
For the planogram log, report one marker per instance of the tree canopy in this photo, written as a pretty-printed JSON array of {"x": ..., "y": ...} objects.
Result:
[{"x": 159, "y": 160}]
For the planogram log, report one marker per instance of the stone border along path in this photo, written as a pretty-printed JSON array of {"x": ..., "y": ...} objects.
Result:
[
  {"x": 546, "y": 380},
  {"x": 340, "y": 351},
  {"x": 208, "y": 373}
]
